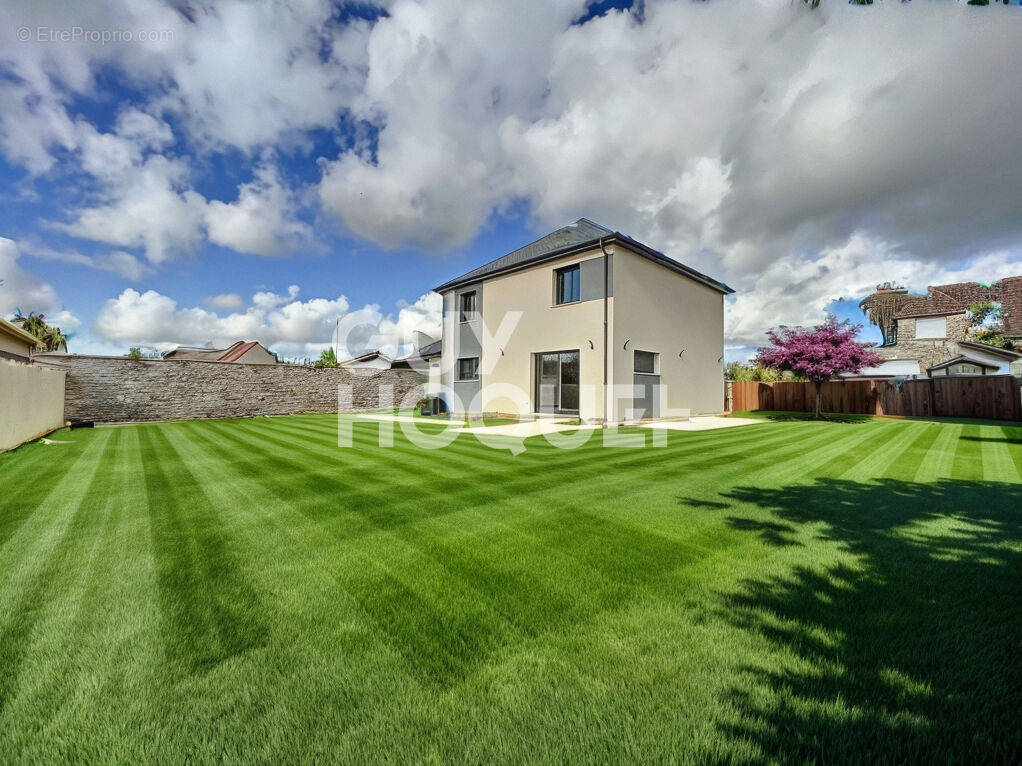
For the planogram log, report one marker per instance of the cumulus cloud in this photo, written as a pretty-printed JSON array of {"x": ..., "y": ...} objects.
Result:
[
  {"x": 146, "y": 208},
  {"x": 234, "y": 74},
  {"x": 735, "y": 129},
  {"x": 796, "y": 290},
  {"x": 261, "y": 221},
  {"x": 144, "y": 199},
  {"x": 736, "y": 137},
  {"x": 19, "y": 289},
  {"x": 293, "y": 327},
  {"x": 754, "y": 141}
]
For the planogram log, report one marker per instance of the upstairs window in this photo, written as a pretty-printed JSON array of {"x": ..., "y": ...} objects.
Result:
[
  {"x": 467, "y": 307},
  {"x": 931, "y": 328},
  {"x": 566, "y": 288},
  {"x": 645, "y": 362},
  {"x": 468, "y": 368}
]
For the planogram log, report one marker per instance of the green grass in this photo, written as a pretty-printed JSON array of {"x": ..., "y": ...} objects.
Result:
[{"x": 247, "y": 592}]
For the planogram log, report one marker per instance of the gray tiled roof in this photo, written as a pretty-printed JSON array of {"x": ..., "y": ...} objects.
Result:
[
  {"x": 576, "y": 235},
  {"x": 580, "y": 232},
  {"x": 433, "y": 349}
]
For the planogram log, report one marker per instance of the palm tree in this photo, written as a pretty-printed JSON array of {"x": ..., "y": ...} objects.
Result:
[{"x": 35, "y": 324}]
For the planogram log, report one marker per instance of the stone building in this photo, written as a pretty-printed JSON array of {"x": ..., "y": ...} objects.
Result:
[{"x": 937, "y": 333}]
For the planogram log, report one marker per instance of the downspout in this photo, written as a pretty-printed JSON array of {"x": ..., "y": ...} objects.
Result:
[{"x": 606, "y": 281}]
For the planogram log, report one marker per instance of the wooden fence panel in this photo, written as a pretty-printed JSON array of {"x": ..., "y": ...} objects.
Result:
[{"x": 990, "y": 397}]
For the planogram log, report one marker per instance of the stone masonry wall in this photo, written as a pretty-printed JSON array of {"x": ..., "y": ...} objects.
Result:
[
  {"x": 114, "y": 389},
  {"x": 929, "y": 351}
]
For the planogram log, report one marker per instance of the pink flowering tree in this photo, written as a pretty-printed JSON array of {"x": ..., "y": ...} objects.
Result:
[{"x": 818, "y": 354}]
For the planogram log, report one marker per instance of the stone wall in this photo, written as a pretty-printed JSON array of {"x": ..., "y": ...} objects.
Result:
[
  {"x": 927, "y": 351},
  {"x": 115, "y": 389}
]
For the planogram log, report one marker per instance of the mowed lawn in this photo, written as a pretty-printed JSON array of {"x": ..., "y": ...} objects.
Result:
[{"x": 246, "y": 591}]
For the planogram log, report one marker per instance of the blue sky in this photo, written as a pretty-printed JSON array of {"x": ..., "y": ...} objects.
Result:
[{"x": 173, "y": 187}]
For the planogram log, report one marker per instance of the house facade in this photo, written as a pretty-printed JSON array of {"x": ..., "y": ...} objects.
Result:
[
  {"x": 583, "y": 322},
  {"x": 936, "y": 334},
  {"x": 240, "y": 352},
  {"x": 15, "y": 343}
]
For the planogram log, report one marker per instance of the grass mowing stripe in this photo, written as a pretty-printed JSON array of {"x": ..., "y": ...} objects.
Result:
[
  {"x": 880, "y": 460},
  {"x": 54, "y": 566},
  {"x": 211, "y": 612},
  {"x": 601, "y": 467},
  {"x": 25, "y": 546},
  {"x": 75, "y": 612},
  {"x": 937, "y": 463},
  {"x": 995, "y": 453},
  {"x": 413, "y": 538},
  {"x": 538, "y": 451},
  {"x": 907, "y": 463},
  {"x": 406, "y": 603},
  {"x": 33, "y": 471},
  {"x": 372, "y": 510},
  {"x": 968, "y": 461},
  {"x": 1012, "y": 438}
]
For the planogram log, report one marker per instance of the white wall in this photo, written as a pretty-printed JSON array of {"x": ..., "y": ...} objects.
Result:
[
  {"x": 659, "y": 310},
  {"x": 543, "y": 326},
  {"x": 31, "y": 401}
]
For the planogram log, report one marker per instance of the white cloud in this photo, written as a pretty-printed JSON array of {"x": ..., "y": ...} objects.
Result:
[
  {"x": 225, "y": 302},
  {"x": 262, "y": 221},
  {"x": 441, "y": 78},
  {"x": 148, "y": 211},
  {"x": 145, "y": 200},
  {"x": 293, "y": 327},
  {"x": 143, "y": 197},
  {"x": 116, "y": 261},
  {"x": 22, "y": 290},
  {"x": 796, "y": 290},
  {"x": 240, "y": 74},
  {"x": 737, "y": 130},
  {"x": 756, "y": 141}
]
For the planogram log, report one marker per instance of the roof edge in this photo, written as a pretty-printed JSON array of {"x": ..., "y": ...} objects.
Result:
[
  {"x": 17, "y": 332},
  {"x": 615, "y": 237}
]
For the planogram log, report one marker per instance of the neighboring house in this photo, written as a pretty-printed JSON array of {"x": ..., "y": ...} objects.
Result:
[
  {"x": 371, "y": 360},
  {"x": 242, "y": 352},
  {"x": 15, "y": 343},
  {"x": 602, "y": 324},
  {"x": 425, "y": 359},
  {"x": 933, "y": 334},
  {"x": 430, "y": 354}
]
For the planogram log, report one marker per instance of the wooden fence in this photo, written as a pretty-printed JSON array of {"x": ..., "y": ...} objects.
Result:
[{"x": 991, "y": 397}]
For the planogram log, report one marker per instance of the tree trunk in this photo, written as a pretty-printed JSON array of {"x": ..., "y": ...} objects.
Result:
[{"x": 816, "y": 413}]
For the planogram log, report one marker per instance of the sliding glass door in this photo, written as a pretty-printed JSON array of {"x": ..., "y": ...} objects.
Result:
[{"x": 557, "y": 378}]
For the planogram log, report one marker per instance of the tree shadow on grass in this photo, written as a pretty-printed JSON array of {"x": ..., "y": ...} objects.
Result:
[{"x": 909, "y": 650}]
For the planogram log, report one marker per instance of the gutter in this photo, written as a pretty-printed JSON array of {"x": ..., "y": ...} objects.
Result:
[{"x": 606, "y": 280}]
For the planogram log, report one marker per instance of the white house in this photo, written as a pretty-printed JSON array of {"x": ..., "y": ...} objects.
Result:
[{"x": 584, "y": 321}]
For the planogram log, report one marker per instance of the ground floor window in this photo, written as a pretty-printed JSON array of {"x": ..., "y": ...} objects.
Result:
[
  {"x": 646, "y": 362},
  {"x": 468, "y": 368},
  {"x": 557, "y": 378}
]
